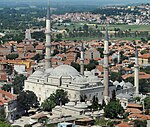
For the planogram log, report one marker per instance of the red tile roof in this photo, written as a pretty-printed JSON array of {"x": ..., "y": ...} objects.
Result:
[{"x": 123, "y": 125}]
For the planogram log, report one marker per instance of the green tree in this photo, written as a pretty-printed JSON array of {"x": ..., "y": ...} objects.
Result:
[
  {"x": 90, "y": 66},
  {"x": 58, "y": 37},
  {"x": 147, "y": 102},
  {"x": 95, "y": 104},
  {"x": 48, "y": 104},
  {"x": 27, "y": 125},
  {"x": 113, "y": 95},
  {"x": 38, "y": 57},
  {"x": 26, "y": 100},
  {"x": 76, "y": 66},
  {"x": 6, "y": 87},
  {"x": 4, "y": 124},
  {"x": 2, "y": 114},
  {"x": 140, "y": 123},
  {"x": 58, "y": 98},
  {"x": 115, "y": 76},
  {"x": 12, "y": 56},
  {"x": 85, "y": 27},
  {"x": 18, "y": 83},
  {"x": 113, "y": 110}
]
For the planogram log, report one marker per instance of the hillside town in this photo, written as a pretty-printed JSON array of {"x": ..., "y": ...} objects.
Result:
[
  {"x": 77, "y": 83},
  {"x": 130, "y": 15}
]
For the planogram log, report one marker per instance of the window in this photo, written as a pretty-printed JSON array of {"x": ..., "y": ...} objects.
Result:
[{"x": 92, "y": 55}]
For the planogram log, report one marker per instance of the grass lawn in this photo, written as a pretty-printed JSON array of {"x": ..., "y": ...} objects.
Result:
[
  {"x": 110, "y": 27},
  {"x": 96, "y": 38},
  {"x": 81, "y": 38}
]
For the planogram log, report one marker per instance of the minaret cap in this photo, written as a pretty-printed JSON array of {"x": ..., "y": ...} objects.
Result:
[
  {"x": 48, "y": 10},
  {"x": 106, "y": 34},
  {"x": 136, "y": 52}
]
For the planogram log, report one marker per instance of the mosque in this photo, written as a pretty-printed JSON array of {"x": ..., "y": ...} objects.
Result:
[{"x": 45, "y": 81}]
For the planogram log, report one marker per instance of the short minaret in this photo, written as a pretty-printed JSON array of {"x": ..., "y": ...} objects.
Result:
[
  {"x": 82, "y": 60},
  {"x": 48, "y": 62},
  {"x": 118, "y": 57},
  {"x": 136, "y": 73},
  {"x": 28, "y": 34},
  {"x": 106, "y": 68}
]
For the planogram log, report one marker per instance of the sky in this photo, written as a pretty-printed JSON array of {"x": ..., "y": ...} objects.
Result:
[{"x": 78, "y": 2}]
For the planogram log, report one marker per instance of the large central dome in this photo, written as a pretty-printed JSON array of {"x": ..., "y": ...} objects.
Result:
[{"x": 65, "y": 71}]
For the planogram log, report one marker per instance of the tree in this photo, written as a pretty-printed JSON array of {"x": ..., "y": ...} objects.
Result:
[
  {"x": 27, "y": 125},
  {"x": 2, "y": 114},
  {"x": 114, "y": 76},
  {"x": 140, "y": 123},
  {"x": 26, "y": 100},
  {"x": 18, "y": 83},
  {"x": 147, "y": 102},
  {"x": 90, "y": 66},
  {"x": 56, "y": 51},
  {"x": 12, "y": 56},
  {"x": 113, "y": 110},
  {"x": 58, "y": 37},
  {"x": 38, "y": 57},
  {"x": 76, "y": 66},
  {"x": 6, "y": 87},
  {"x": 48, "y": 104},
  {"x": 58, "y": 98},
  {"x": 4, "y": 124},
  {"x": 95, "y": 104},
  {"x": 85, "y": 27},
  {"x": 113, "y": 95}
]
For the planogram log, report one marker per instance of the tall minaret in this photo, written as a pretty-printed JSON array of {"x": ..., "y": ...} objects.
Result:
[
  {"x": 106, "y": 68},
  {"x": 82, "y": 60},
  {"x": 136, "y": 73},
  {"x": 48, "y": 62}
]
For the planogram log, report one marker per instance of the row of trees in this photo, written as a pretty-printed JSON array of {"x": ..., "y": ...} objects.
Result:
[{"x": 89, "y": 67}]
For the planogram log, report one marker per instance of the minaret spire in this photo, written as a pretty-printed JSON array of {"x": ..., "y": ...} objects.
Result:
[
  {"x": 82, "y": 59},
  {"x": 48, "y": 62},
  {"x": 136, "y": 72},
  {"x": 106, "y": 67}
]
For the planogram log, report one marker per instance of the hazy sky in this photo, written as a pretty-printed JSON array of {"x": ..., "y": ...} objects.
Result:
[{"x": 83, "y": 1}]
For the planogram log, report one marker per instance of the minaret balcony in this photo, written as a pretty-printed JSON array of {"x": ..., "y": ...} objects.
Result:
[
  {"x": 106, "y": 66},
  {"x": 136, "y": 66},
  {"x": 47, "y": 57},
  {"x": 48, "y": 32},
  {"x": 47, "y": 45},
  {"x": 106, "y": 53}
]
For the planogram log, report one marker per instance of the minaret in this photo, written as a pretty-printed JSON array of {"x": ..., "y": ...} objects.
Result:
[
  {"x": 48, "y": 63},
  {"x": 82, "y": 60},
  {"x": 106, "y": 67},
  {"x": 28, "y": 34},
  {"x": 136, "y": 73},
  {"x": 118, "y": 57}
]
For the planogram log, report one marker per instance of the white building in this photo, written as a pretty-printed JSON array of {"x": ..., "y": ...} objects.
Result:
[{"x": 44, "y": 83}]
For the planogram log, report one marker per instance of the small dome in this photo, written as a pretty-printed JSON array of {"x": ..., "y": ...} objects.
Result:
[
  {"x": 93, "y": 79},
  {"x": 65, "y": 70},
  {"x": 70, "y": 104},
  {"x": 88, "y": 73},
  {"x": 37, "y": 73},
  {"x": 81, "y": 105},
  {"x": 79, "y": 80},
  {"x": 128, "y": 85},
  {"x": 49, "y": 70},
  {"x": 116, "y": 83}
]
